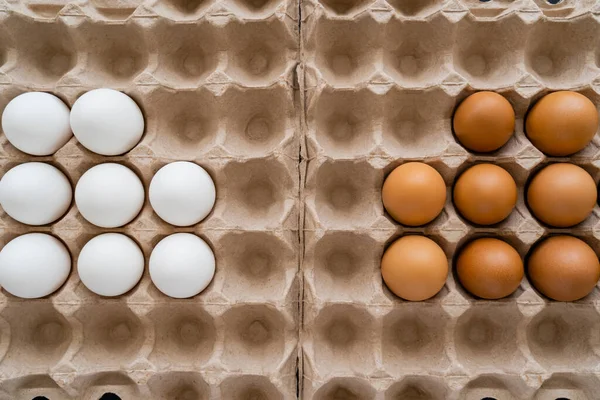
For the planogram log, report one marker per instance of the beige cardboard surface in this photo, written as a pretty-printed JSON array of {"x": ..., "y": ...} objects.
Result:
[{"x": 298, "y": 112}]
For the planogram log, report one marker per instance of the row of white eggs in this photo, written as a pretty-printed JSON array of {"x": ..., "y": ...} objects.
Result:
[
  {"x": 35, "y": 265},
  {"x": 108, "y": 195},
  {"x": 105, "y": 121}
]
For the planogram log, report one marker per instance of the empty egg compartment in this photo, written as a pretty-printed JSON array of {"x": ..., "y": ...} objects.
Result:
[
  {"x": 33, "y": 386},
  {"x": 335, "y": 189},
  {"x": 258, "y": 338},
  {"x": 188, "y": 53},
  {"x": 112, "y": 54},
  {"x": 340, "y": 339},
  {"x": 486, "y": 9},
  {"x": 179, "y": 385},
  {"x": 237, "y": 123},
  {"x": 260, "y": 122},
  {"x": 112, "y": 335},
  {"x": 342, "y": 123},
  {"x": 248, "y": 386},
  {"x": 568, "y": 385},
  {"x": 417, "y": 9},
  {"x": 486, "y": 337},
  {"x": 257, "y": 266},
  {"x": 560, "y": 336},
  {"x": 342, "y": 266},
  {"x": 490, "y": 53},
  {"x": 560, "y": 9},
  {"x": 563, "y": 54},
  {"x": 418, "y": 54},
  {"x": 35, "y": 338},
  {"x": 261, "y": 53},
  {"x": 417, "y": 124},
  {"x": 181, "y": 124},
  {"x": 111, "y": 10},
  {"x": 496, "y": 386},
  {"x": 340, "y": 52},
  {"x": 257, "y": 194},
  {"x": 184, "y": 335},
  {"x": 414, "y": 340},
  {"x": 182, "y": 10},
  {"x": 44, "y": 51},
  {"x": 341, "y": 387},
  {"x": 107, "y": 385}
]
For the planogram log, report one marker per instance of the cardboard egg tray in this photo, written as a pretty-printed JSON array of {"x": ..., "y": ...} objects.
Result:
[
  {"x": 299, "y": 111},
  {"x": 215, "y": 81},
  {"x": 382, "y": 80}
]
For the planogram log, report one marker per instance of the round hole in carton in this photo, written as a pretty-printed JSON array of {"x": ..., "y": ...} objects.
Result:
[
  {"x": 40, "y": 398},
  {"x": 109, "y": 396},
  {"x": 555, "y": 2},
  {"x": 488, "y": 398}
]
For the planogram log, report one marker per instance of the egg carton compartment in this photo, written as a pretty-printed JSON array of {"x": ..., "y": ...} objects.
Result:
[
  {"x": 355, "y": 124},
  {"x": 495, "y": 58},
  {"x": 74, "y": 51},
  {"x": 177, "y": 384},
  {"x": 220, "y": 340},
  {"x": 562, "y": 54},
  {"x": 113, "y": 11},
  {"x": 519, "y": 53},
  {"x": 418, "y": 53},
  {"x": 484, "y": 386},
  {"x": 426, "y": 351}
]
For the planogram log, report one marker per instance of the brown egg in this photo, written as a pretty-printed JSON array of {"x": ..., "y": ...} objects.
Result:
[
  {"x": 489, "y": 268},
  {"x": 484, "y": 122},
  {"x": 485, "y": 194},
  {"x": 562, "y": 195},
  {"x": 414, "y": 268},
  {"x": 562, "y": 123},
  {"x": 414, "y": 194},
  {"x": 563, "y": 268}
]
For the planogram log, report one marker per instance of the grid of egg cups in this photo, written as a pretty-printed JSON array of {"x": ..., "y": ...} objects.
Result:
[
  {"x": 238, "y": 337},
  {"x": 361, "y": 341},
  {"x": 527, "y": 10}
]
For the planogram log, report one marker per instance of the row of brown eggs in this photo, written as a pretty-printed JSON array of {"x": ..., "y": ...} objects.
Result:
[
  {"x": 559, "y": 195},
  {"x": 563, "y": 268},
  {"x": 559, "y": 124}
]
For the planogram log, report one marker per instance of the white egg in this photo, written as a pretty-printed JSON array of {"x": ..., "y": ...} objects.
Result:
[
  {"x": 109, "y": 195},
  {"x": 110, "y": 264},
  {"x": 182, "y": 265},
  {"x": 34, "y": 265},
  {"x": 107, "y": 122},
  {"x": 36, "y": 123},
  {"x": 35, "y": 193},
  {"x": 182, "y": 193}
]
